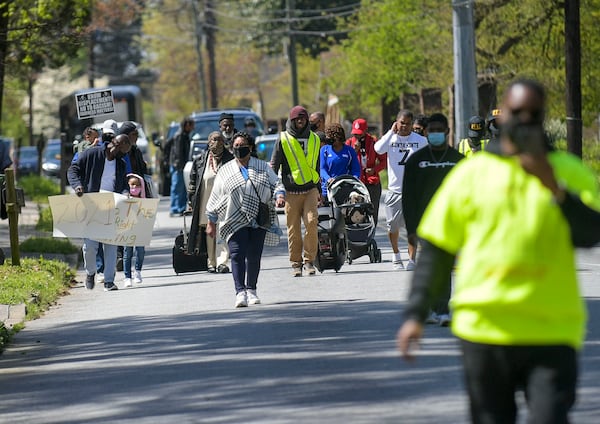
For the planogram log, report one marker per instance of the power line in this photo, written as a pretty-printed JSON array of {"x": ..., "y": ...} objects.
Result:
[
  {"x": 295, "y": 11},
  {"x": 297, "y": 15},
  {"x": 282, "y": 31},
  {"x": 286, "y": 20}
]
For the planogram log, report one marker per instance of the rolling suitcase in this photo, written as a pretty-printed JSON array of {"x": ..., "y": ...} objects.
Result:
[{"x": 185, "y": 258}]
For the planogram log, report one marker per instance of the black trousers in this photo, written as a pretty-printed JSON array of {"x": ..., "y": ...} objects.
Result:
[
  {"x": 441, "y": 305},
  {"x": 245, "y": 249},
  {"x": 375, "y": 195},
  {"x": 547, "y": 374}
]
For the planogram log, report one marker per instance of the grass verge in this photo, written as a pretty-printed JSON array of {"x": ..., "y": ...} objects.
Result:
[
  {"x": 38, "y": 188},
  {"x": 48, "y": 245},
  {"x": 37, "y": 283}
]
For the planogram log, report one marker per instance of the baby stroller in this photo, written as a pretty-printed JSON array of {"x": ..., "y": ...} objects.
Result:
[
  {"x": 332, "y": 247},
  {"x": 351, "y": 196}
]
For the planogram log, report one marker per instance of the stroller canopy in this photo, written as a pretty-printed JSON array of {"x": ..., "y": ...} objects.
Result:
[{"x": 347, "y": 189}]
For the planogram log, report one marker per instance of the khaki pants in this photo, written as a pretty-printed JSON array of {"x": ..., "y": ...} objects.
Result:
[{"x": 302, "y": 207}]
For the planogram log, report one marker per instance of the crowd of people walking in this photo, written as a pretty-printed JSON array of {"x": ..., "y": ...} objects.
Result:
[{"x": 499, "y": 216}]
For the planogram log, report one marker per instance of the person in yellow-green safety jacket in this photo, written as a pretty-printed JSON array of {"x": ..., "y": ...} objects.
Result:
[
  {"x": 517, "y": 309},
  {"x": 296, "y": 153},
  {"x": 475, "y": 141}
]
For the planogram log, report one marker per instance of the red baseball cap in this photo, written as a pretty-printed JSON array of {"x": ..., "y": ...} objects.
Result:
[{"x": 359, "y": 126}]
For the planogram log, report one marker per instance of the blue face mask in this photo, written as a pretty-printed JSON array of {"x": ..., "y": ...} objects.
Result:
[{"x": 436, "y": 138}]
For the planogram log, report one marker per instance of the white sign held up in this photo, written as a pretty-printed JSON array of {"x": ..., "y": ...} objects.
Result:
[
  {"x": 94, "y": 103},
  {"x": 107, "y": 217}
]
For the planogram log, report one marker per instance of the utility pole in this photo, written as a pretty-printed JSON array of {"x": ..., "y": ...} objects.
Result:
[
  {"x": 91, "y": 62},
  {"x": 199, "y": 33},
  {"x": 573, "y": 77},
  {"x": 211, "y": 24},
  {"x": 13, "y": 210},
  {"x": 465, "y": 72},
  {"x": 291, "y": 4}
]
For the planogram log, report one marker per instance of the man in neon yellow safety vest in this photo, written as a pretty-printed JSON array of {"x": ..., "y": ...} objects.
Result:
[
  {"x": 516, "y": 306},
  {"x": 296, "y": 153}
]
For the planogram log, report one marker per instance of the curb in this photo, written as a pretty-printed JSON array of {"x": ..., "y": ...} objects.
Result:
[{"x": 12, "y": 314}]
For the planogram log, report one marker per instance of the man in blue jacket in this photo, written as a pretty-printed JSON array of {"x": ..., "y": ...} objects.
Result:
[{"x": 100, "y": 168}]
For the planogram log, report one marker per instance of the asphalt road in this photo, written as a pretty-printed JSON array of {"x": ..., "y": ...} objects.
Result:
[{"x": 318, "y": 350}]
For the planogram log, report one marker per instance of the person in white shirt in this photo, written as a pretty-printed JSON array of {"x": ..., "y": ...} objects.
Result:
[{"x": 399, "y": 143}]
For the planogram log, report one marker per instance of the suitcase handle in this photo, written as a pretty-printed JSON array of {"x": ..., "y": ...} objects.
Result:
[{"x": 185, "y": 230}]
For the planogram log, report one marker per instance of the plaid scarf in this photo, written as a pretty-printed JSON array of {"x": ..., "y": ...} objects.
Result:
[{"x": 233, "y": 198}]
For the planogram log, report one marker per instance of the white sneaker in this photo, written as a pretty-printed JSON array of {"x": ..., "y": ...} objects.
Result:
[
  {"x": 397, "y": 261},
  {"x": 252, "y": 297},
  {"x": 410, "y": 266},
  {"x": 100, "y": 278},
  {"x": 444, "y": 320},
  {"x": 432, "y": 318},
  {"x": 127, "y": 282},
  {"x": 137, "y": 277},
  {"x": 241, "y": 301}
]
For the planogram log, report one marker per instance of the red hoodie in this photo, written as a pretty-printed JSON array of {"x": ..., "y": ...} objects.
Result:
[{"x": 373, "y": 159}]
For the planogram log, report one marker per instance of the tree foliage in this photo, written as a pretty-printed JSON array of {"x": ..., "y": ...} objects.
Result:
[
  {"x": 245, "y": 74},
  {"x": 45, "y": 33},
  {"x": 169, "y": 37},
  {"x": 406, "y": 45},
  {"x": 38, "y": 34},
  {"x": 394, "y": 46},
  {"x": 268, "y": 24},
  {"x": 114, "y": 31}
]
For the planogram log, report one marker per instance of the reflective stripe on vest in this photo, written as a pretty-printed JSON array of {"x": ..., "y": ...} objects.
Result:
[{"x": 303, "y": 167}]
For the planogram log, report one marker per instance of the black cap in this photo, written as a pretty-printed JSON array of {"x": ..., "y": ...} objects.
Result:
[
  {"x": 476, "y": 126},
  {"x": 127, "y": 128},
  {"x": 226, "y": 116},
  {"x": 493, "y": 115}
]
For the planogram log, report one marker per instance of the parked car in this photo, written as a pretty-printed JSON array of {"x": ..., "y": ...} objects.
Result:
[
  {"x": 207, "y": 122},
  {"x": 197, "y": 146},
  {"x": 204, "y": 124},
  {"x": 27, "y": 160},
  {"x": 8, "y": 142},
  {"x": 51, "y": 159},
  {"x": 264, "y": 146}
]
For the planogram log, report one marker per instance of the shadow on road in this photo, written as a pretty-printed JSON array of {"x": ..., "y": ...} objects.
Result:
[{"x": 312, "y": 357}]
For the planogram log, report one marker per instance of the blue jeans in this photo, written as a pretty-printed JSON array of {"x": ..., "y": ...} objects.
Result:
[
  {"x": 90, "y": 250},
  {"x": 245, "y": 250},
  {"x": 139, "y": 259},
  {"x": 178, "y": 191}
]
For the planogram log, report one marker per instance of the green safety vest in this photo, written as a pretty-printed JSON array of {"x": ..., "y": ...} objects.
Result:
[
  {"x": 303, "y": 167},
  {"x": 516, "y": 281},
  {"x": 465, "y": 148}
]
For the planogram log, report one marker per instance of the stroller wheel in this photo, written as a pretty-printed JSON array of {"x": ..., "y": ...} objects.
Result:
[
  {"x": 372, "y": 257},
  {"x": 378, "y": 256},
  {"x": 349, "y": 257},
  {"x": 372, "y": 251}
]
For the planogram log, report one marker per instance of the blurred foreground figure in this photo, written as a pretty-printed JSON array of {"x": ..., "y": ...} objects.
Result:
[{"x": 516, "y": 304}]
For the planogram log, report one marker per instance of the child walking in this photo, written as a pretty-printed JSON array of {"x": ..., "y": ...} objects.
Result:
[{"x": 136, "y": 189}]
